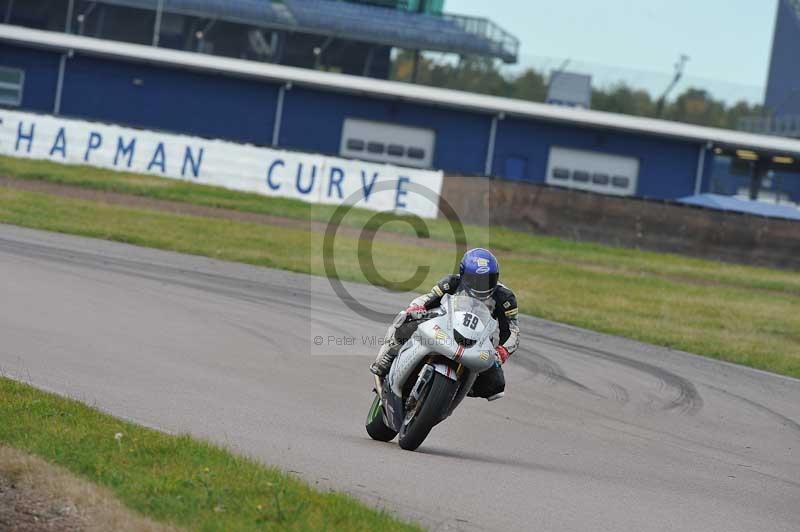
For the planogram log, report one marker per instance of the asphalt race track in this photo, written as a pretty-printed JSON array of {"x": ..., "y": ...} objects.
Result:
[{"x": 595, "y": 433}]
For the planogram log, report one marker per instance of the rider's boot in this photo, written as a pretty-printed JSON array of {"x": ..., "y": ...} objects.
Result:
[
  {"x": 389, "y": 349},
  {"x": 494, "y": 397},
  {"x": 386, "y": 356}
]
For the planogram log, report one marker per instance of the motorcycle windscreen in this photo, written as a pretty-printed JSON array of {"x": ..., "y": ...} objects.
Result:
[{"x": 466, "y": 303}]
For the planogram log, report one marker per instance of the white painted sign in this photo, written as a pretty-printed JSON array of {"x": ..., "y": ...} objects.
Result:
[{"x": 270, "y": 172}]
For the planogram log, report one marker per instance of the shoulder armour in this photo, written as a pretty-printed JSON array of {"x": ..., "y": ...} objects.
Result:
[
  {"x": 448, "y": 285},
  {"x": 506, "y": 301}
]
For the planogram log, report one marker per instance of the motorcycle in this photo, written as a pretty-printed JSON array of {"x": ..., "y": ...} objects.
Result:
[{"x": 434, "y": 370}]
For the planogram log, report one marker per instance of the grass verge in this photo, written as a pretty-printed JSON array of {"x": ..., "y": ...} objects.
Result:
[
  {"x": 736, "y": 313},
  {"x": 172, "y": 479},
  {"x": 170, "y": 189}
]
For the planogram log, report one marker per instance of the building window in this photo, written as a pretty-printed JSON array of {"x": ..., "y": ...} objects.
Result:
[
  {"x": 355, "y": 144},
  {"x": 600, "y": 179},
  {"x": 560, "y": 173},
  {"x": 620, "y": 181},
  {"x": 11, "y": 84},
  {"x": 395, "y": 150},
  {"x": 416, "y": 153},
  {"x": 580, "y": 176},
  {"x": 375, "y": 147}
]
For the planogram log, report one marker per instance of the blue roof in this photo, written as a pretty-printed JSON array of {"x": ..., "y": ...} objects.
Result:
[
  {"x": 359, "y": 22},
  {"x": 730, "y": 203}
]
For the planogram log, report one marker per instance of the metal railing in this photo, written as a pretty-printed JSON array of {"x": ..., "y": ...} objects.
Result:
[
  {"x": 488, "y": 37},
  {"x": 782, "y": 126},
  {"x": 507, "y": 45}
]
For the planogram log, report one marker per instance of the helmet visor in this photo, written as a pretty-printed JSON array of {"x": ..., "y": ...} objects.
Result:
[{"x": 480, "y": 285}]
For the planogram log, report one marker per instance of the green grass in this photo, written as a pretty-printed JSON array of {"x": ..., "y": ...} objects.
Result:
[
  {"x": 736, "y": 313},
  {"x": 159, "y": 188},
  {"x": 498, "y": 237},
  {"x": 173, "y": 479},
  {"x": 170, "y": 190}
]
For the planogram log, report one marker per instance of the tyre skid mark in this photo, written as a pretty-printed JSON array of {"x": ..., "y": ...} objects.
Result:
[
  {"x": 539, "y": 364},
  {"x": 785, "y": 421},
  {"x": 688, "y": 400}
]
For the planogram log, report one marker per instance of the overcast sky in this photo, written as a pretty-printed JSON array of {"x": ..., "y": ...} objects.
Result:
[{"x": 727, "y": 40}]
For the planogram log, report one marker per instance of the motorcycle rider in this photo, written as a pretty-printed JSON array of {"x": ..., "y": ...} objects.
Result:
[{"x": 478, "y": 276}]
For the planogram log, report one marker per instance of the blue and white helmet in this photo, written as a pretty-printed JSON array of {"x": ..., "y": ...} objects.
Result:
[{"x": 479, "y": 272}]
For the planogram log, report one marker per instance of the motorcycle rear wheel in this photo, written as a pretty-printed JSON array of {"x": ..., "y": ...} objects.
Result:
[
  {"x": 376, "y": 428},
  {"x": 433, "y": 407}
]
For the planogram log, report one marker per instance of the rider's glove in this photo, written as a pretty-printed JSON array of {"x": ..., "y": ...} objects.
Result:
[
  {"x": 502, "y": 354},
  {"x": 416, "y": 312}
]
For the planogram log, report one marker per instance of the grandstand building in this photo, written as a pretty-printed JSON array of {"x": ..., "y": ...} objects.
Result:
[
  {"x": 50, "y": 64},
  {"x": 352, "y": 37}
]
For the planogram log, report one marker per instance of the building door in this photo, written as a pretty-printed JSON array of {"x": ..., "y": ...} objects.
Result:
[{"x": 516, "y": 169}]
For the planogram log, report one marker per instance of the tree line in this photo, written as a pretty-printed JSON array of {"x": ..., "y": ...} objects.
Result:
[{"x": 481, "y": 75}]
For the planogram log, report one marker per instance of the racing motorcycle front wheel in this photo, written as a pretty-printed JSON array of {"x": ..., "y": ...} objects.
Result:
[{"x": 430, "y": 409}]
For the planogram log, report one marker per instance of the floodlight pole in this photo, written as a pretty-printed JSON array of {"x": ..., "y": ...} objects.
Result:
[{"x": 679, "y": 66}]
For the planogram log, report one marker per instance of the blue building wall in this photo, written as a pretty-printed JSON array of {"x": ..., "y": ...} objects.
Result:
[
  {"x": 243, "y": 110},
  {"x": 41, "y": 75},
  {"x": 783, "y": 86},
  {"x": 313, "y": 122},
  {"x": 169, "y": 99},
  {"x": 667, "y": 168}
]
